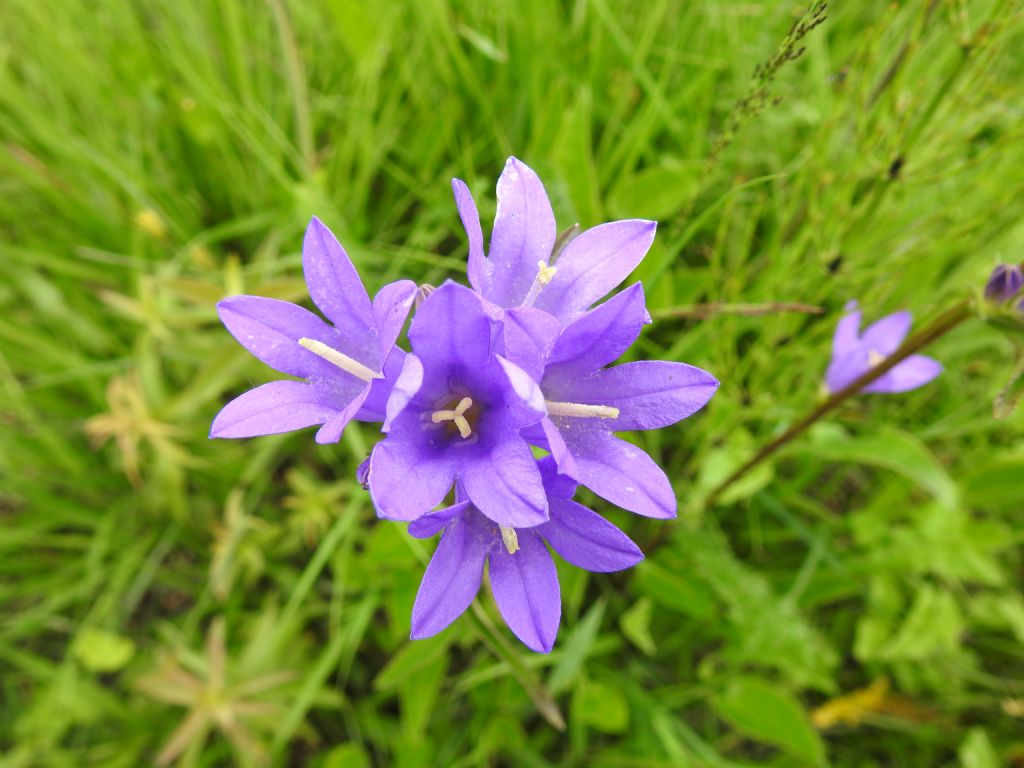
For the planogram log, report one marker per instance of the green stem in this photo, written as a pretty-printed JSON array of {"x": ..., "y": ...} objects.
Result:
[
  {"x": 942, "y": 325},
  {"x": 535, "y": 689}
]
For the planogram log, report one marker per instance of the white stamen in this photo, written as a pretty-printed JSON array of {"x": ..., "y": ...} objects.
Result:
[
  {"x": 511, "y": 540},
  {"x": 456, "y": 416},
  {"x": 545, "y": 274},
  {"x": 581, "y": 410},
  {"x": 875, "y": 357},
  {"x": 343, "y": 361}
]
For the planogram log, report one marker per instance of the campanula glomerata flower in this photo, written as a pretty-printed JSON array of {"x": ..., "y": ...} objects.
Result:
[
  {"x": 519, "y": 271},
  {"x": 522, "y": 573},
  {"x": 1004, "y": 283},
  {"x": 854, "y": 353},
  {"x": 348, "y": 365},
  {"x": 456, "y": 413}
]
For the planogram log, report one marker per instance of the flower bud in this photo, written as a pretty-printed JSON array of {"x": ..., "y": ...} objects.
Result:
[
  {"x": 1004, "y": 283},
  {"x": 363, "y": 474}
]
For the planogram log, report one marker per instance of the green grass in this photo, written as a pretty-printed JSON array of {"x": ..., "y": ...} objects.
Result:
[{"x": 156, "y": 156}]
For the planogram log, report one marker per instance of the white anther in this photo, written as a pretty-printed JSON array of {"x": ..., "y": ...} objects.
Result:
[
  {"x": 545, "y": 274},
  {"x": 343, "y": 361},
  {"x": 581, "y": 410},
  {"x": 510, "y": 539},
  {"x": 456, "y": 416},
  {"x": 875, "y": 357}
]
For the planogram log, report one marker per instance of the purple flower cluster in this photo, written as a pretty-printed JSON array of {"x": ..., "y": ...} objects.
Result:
[{"x": 516, "y": 366}]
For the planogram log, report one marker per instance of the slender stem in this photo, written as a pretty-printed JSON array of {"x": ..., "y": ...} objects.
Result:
[
  {"x": 704, "y": 311},
  {"x": 535, "y": 689},
  {"x": 942, "y": 325}
]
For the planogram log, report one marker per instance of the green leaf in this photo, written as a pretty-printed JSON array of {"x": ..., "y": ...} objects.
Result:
[
  {"x": 636, "y": 625},
  {"x": 601, "y": 707},
  {"x": 576, "y": 648},
  {"x": 769, "y": 714},
  {"x": 933, "y": 626},
  {"x": 684, "y": 595},
  {"x": 887, "y": 448},
  {"x": 976, "y": 751},
  {"x": 101, "y": 651},
  {"x": 415, "y": 656},
  {"x": 347, "y": 756},
  {"x": 656, "y": 193}
]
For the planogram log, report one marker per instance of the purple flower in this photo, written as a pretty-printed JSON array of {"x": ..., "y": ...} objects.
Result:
[
  {"x": 587, "y": 403},
  {"x": 1004, "y": 283},
  {"x": 522, "y": 573},
  {"x": 349, "y": 365},
  {"x": 855, "y": 353},
  {"x": 518, "y": 270},
  {"x": 455, "y": 414}
]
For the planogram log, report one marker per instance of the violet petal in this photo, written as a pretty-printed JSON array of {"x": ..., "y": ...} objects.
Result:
[
  {"x": 600, "y": 336},
  {"x": 280, "y": 406},
  {"x": 523, "y": 234},
  {"x": 884, "y": 336},
  {"x": 476, "y": 268},
  {"x": 333, "y": 282},
  {"x": 506, "y": 486},
  {"x": 914, "y": 372},
  {"x": 529, "y": 336},
  {"x": 406, "y": 482},
  {"x": 593, "y": 264},
  {"x": 271, "y": 329},
  {"x": 649, "y": 394},
  {"x": 585, "y": 539},
  {"x": 429, "y": 525},
  {"x": 451, "y": 580},
  {"x": 620, "y": 472},
  {"x": 525, "y": 587},
  {"x": 331, "y": 431},
  {"x": 391, "y": 306}
]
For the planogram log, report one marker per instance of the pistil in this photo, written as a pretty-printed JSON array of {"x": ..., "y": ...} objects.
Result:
[
  {"x": 457, "y": 416},
  {"x": 875, "y": 357},
  {"x": 581, "y": 410},
  {"x": 545, "y": 274},
  {"x": 340, "y": 359},
  {"x": 510, "y": 539}
]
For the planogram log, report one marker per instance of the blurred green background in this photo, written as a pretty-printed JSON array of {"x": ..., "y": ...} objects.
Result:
[{"x": 855, "y": 602}]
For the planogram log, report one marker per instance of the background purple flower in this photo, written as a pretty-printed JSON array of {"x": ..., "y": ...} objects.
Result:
[
  {"x": 522, "y": 574},
  {"x": 348, "y": 365},
  {"x": 516, "y": 270},
  {"x": 455, "y": 413},
  {"x": 854, "y": 353}
]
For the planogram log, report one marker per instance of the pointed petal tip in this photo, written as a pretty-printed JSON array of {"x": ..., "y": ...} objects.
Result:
[{"x": 419, "y": 633}]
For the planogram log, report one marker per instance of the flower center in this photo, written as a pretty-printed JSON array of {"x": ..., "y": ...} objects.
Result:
[
  {"x": 459, "y": 417},
  {"x": 875, "y": 357},
  {"x": 510, "y": 539},
  {"x": 581, "y": 410},
  {"x": 340, "y": 359},
  {"x": 545, "y": 274}
]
